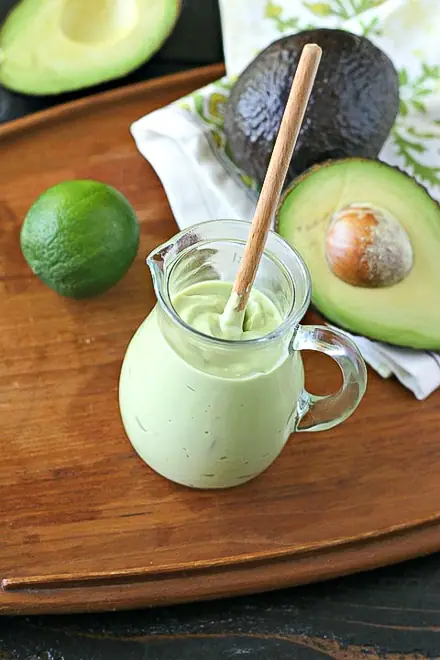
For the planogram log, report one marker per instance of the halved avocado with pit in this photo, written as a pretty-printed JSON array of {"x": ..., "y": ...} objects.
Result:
[
  {"x": 53, "y": 46},
  {"x": 370, "y": 236}
]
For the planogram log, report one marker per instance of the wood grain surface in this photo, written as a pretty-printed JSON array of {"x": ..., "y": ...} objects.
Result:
[{"x": 86, "y": 525}]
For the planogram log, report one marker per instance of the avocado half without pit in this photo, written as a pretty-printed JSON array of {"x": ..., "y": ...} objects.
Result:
[
  {"x": 370, "y": 236},
  {"x": 53, "y": 46}
]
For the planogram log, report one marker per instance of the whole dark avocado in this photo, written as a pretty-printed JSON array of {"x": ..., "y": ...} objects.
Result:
[{"x": 352, "y": 108}]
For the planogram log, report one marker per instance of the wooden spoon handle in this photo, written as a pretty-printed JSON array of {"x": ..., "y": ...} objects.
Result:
[{"x": 276, "y": 172}]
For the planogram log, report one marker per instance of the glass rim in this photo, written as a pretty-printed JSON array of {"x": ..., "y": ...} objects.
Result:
[{"x": 291, "y": 319}]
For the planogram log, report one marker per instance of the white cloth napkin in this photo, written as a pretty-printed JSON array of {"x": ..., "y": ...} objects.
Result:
[{"x": 185, "y": 144}]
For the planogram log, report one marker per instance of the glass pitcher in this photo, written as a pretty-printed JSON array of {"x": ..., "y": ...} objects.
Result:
[{"x": 215, "y": 413}]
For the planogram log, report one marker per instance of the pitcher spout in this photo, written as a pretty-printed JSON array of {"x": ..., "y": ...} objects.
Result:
[
  {"x": 161, "y": 259},
  {"x": 156, "y": 263}
]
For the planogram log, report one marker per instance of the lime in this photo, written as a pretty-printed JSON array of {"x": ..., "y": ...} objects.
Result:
[{"x": 80, "y": 237}]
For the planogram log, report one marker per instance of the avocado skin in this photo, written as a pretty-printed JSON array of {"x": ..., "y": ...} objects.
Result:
[{"x": 352, "y": 108}]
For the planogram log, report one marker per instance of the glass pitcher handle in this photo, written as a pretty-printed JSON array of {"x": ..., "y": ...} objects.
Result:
[{"x": 317, "y": 413}]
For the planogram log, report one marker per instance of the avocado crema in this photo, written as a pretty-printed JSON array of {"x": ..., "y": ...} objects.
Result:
[{"x": 370, "y": 236}]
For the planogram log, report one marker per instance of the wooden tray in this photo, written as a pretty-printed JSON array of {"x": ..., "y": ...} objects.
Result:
[{"x": 85, "y": 524}]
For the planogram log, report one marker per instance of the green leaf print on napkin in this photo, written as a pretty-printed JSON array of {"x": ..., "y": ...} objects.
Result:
[
  {"x": 409, "y": 149},
  {"x": 208, "y": 105},
  {"x": 342, "y": 9},
  {"x": 413, "y": 91},
  {"x": 275, "y": 13},
  {"x": 409, "y": 141},
  {"x": 333, "y": 8}
]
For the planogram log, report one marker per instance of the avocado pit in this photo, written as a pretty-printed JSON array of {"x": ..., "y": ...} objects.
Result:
[{"x": 368, "y": 247}]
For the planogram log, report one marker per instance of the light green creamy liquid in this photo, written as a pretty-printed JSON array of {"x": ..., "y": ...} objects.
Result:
[
  {"x": 204, "y": 306},
  {"x": 205, "y": 414}
]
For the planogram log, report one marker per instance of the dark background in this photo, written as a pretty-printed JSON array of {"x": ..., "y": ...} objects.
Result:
[{"x": 392, "y": 613}]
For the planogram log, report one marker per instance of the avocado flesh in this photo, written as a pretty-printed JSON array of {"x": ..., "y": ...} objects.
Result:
[
  {"x": 53, "y": 46},
  {"x": 352, "y": 107},
  {"x": 406, "y": 313}
]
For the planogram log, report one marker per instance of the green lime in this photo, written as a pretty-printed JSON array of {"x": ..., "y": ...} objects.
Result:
[{"x": 80, "y": 237}]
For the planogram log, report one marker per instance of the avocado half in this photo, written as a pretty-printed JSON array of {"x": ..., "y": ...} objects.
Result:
[
  {"x": 53, "y": 46},
  {"x": 352, "y": 107},
  {"x": 370, "y": 236}
]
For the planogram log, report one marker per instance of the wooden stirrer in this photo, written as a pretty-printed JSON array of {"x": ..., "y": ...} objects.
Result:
[{"x": 276, "y": 172}]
